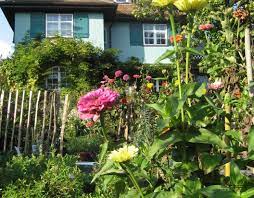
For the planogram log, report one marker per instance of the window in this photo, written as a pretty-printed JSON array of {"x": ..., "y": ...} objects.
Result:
[
  {"x": 56, "y": 78},
  {"x": 59, "y": 24},
  {"x": 155, "y": 34},
  {"x": 123, "y": 1}
]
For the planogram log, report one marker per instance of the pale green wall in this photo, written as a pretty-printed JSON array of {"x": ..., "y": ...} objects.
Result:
[
  {"x": 22, "y": 26},
  {"x": 120, "y": 35},
  {"x": 96, "y": 28}
]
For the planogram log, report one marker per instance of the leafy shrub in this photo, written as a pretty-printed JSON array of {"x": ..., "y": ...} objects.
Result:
[{"x": 55, "y": 176}]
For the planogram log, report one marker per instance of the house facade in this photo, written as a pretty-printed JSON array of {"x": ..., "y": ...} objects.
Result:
[{"x": 104, "y": 23}]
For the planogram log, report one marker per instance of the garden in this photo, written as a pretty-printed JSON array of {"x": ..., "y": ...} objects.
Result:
[{"x": 127, "y": 129}]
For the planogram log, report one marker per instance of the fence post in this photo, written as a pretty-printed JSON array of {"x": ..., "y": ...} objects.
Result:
[
  {"x": 64, "y": 118},
  {"x": 54, "y": 119}
]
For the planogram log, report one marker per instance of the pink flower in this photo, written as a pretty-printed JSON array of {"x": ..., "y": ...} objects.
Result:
[
  {"x": 118, "y": 73},
  {"x": 93, "y": 103},
  {"x": 148, "y": 78},
  {"x": 136, "y": 76},
  {"x": 216, "y": 85},
  {"x": 205, "y": 27},
  {"x": 126, "y": 77},
  {"x": 105, "y": 77}
]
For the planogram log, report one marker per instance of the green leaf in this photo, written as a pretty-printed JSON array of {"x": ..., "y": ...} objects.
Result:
[
  {"x": 209, "y": 162},
  {"x": 201, "y": 90},
  {"x": 251, "y": 140},
  {"x": 104, "y": 148},
  {"x": 163, "y": 142},
  {"x": 108, "y": 168},
  {"x": 236, "y": 177},
  {"x": 218, "y": 191},
  {"x": 160, "y": 108},
  {"x": 248, "y": 193},
  {"x": 165, "y": 55},
  {"x": 205, "y": 136},
  {"x": 235, "y": 135},
  {"x": 193, "y": 51}
]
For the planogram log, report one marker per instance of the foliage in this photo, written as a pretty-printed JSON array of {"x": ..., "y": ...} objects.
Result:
[
  {"x": 32, "y": 61},
  {"x": 55, "y": 176}
]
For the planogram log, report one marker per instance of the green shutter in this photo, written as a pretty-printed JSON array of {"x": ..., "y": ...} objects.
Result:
[
  {"x": 169, "y": 34},
  {"x": 136, "y": 34},
  {"x": 81, "y": 25},
  {"x": 37, "y": 25}
]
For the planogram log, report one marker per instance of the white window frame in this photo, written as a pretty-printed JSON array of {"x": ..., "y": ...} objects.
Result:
[
  {"x": 123, "y": 1},
  {"x": 59, "y": 78},
  {"x": 59, "y": 24},
  {"x": 155, "y": 35}
]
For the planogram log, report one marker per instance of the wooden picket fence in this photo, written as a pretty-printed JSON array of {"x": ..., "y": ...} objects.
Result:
[{"x": 32, "y": 121}]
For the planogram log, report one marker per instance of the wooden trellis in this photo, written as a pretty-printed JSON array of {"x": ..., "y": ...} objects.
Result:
[{"x": 32, "y": 122}]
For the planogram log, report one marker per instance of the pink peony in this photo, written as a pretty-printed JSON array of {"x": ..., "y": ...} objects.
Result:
[
  {"x": 136, "y": 76},
  {"x": 93, "y": 103},
  {"x": 148, "y": 78},
  {"x": 118, "y": 73},
  {"x": 205, "y": 27},
  {"x": 216, "y": 85},
  {"x": 126, "y": 77}
]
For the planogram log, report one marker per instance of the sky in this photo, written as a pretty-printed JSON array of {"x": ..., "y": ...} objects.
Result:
[{"x": 6, "y": 37}]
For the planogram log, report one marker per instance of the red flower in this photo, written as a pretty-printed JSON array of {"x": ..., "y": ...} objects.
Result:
[
  {"x": 179, "y": 38},
  {"x": 126, "y": 77},
  {"x": 205, "y": 27},
  {"x": 118, "y": 73},
  {"x": 123, "y": 101}
]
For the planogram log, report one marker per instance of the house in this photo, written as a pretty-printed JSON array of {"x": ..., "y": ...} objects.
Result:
[{"x": 105, "y": 23}]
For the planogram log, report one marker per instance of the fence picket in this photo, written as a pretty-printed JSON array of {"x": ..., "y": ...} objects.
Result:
[
  {"x": 14, "y": 119},
  {"x": 7, "y": 121},
  {"x": 35, "y": 138},
  {"x": 1, "y": 111},
  {"x": 54, "y": 119},
  {"x": 28, "y": 122},
  {"x": 64, "y": 118},
  {"x": 21, "y": 119},
  {"x": 43, "y": 121}
]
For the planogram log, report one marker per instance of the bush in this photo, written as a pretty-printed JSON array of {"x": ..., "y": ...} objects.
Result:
[{"x": 41, "y": 177}]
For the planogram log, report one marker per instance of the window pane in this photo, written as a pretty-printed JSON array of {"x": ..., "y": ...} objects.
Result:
[
  {"x": 52, "y": 17},
  {"x": 160, "y": 27},
  {"x": 148, "y": 27},
  {"x": 52, "y": 29},
  {"x": 66, "y": 33},
  {"x": 66, "y": 26},
  {"x": 161, "y": 38},
  {"x": 66, "y": 17}
]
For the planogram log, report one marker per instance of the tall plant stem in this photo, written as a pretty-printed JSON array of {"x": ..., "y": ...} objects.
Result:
[
  {"x": 187, "y": 66},
  {"x": 132, "y": 178},
  {"x": 227, "y": 128},
  {"x": 172, "y": 23},
  {"x": 103, "y": 130}
]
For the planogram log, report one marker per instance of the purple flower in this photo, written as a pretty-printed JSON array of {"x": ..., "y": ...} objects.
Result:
[{"x": 126, "y": 77}]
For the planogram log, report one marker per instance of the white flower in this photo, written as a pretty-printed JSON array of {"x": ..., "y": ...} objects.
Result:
[
  {"x": 123, "y": 154},
  {"x": 218, "y": 84}
]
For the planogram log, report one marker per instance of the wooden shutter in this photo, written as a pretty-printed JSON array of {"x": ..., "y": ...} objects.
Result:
[
  {"x": 37, "y": 25},
  {"x": 81, "y": 25},
  {"x": 136, "y": 34}
]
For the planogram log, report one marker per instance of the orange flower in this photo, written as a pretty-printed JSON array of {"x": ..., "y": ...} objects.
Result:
[
  {"x": 89, "y": 124},
  {"x": 179, "y": 38}
]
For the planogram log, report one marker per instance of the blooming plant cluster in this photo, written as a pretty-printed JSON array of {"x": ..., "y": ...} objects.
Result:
[{"x": 91, "y": 105}]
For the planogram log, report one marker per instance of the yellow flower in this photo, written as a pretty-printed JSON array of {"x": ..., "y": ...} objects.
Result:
[
  {"x": 149, "y": 85},
  {"x": 190, "y": 5},
  {"x": 176, "y": 82},
  {"x": 162, "y": 3},
  {"x": 123, "y": 154}
]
